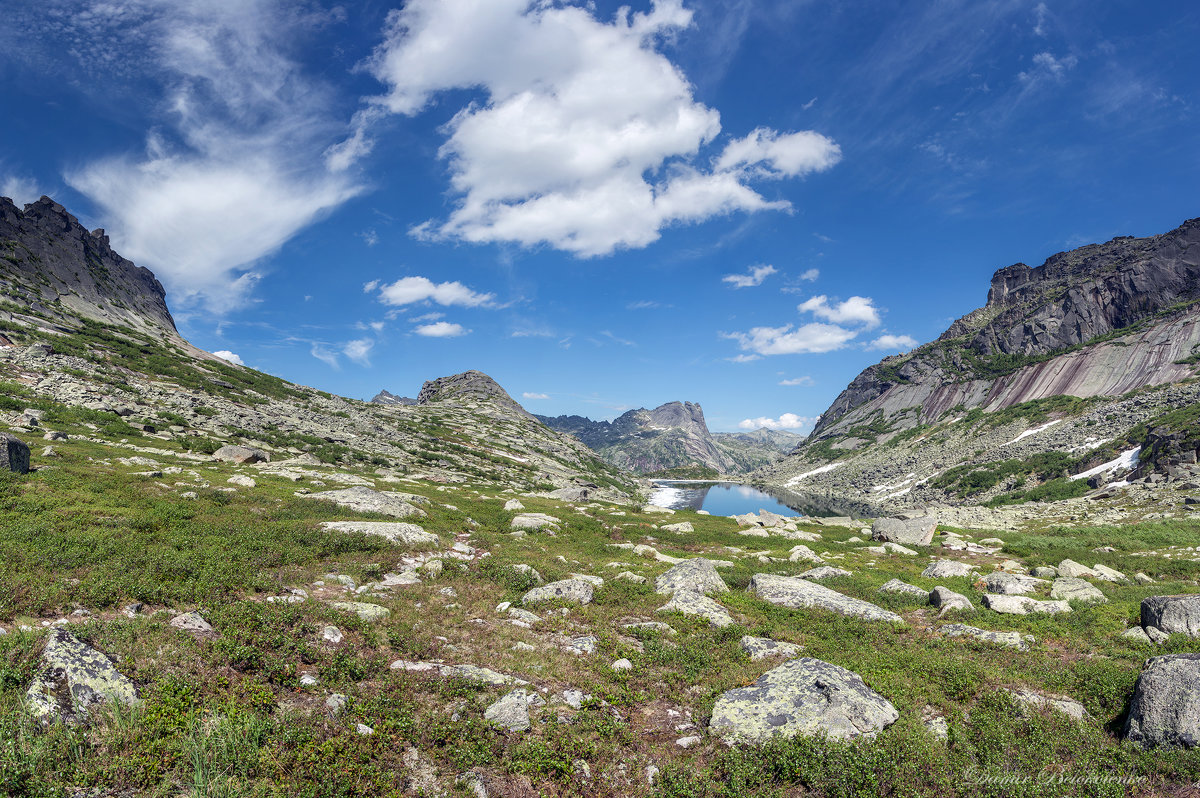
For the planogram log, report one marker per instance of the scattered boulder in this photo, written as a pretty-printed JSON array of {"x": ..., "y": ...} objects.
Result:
[
  {"x": 1166, "y": 703},
  {"x": 393, "y": 531},
  {"x": 1173, "y": 614},
  {"x": 242, "y": 480},
  {"x": 364, "y": 500},
  {"x": 943, "y": 569},
  {"x": 948, "y": 600},
  {"x": 804, "y": 696},
  {"x": 765, "y": 647},
  {"x": 241, "y": 454},
  {"x": 1061, "y": 703},
  {"x": 535, "y": 522},
  {"x": 824, "y": 572},
  {"x": 1106, "y": 574},
  {"x": 1023, "y": 605},
  {"x": 1011, "y": 639},
  {"x": 1045, "y": 572},
  {"x": 1137, "y": 634},
  {"x": 368, "y": 612},
  {"x": 1075, "y": 570},
  {"x": 903, "y": 588},
  {"x": 194, "y": 623},
  {"x": 910, "y": 532},
  {"x": 512, "y": 711},
  {"x": 689, "y": 602},
  {"x": 513, "y": 504},
  {"x": 681, "y": 527},
  {"x": 472, "y": 673},
  {"x": 573, "y": 590},
  {"x": 1012, "y": 584},
  {"x": 14, "y": 454},
  {"x": 697, "y": 575},
  {"x": 1066, "y": 588},
  {"x": 788, "y": 591},
  {"x": 73, "y": 677}
]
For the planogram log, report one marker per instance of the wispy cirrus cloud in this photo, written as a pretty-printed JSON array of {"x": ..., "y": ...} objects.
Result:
[{"x": 752, "y": 278}]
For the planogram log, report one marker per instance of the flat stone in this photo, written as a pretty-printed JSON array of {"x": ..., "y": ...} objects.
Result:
[
  {"x": 824, "y": 572},
  {"x": 471, "y": 673},
  {"x": 194, "y": 623},
  {"x": 943, "y": 569},
  {"x": 1011, "y": 639},
  {"x": 697, "y": 575},
  {"x": 512, "y": 711},
  {"x": 1075, "y": 570},
  {"x": 241, "y": 454},
  {"x": 630, "y": 576},
  {"x": 766, "y": 648},
  {"x": 364, "y": 500},
  {"x": 1106, "y": 574},
  {"x": 71, "y": 678},
  {"x": 689, "y": 602},
  {"x": 535, "y": 522},
  {"x": 1023, "y": 605},
  {"x": 242, "y": 480},
  {"x": 804, "y": 696},
  {"x": 368, "y": 612},
  {"x": 903, "y": 588},
  {"x": 796, "y": 593},
  {"x": 1173, "y": 614},
  {"x": 1012, "y": 584},
  {"x": 573, "y": 590},
  {"x": 1066, "y": 588},
  {"x": 392, "y": 531},
  {"x": 911, "y": 532},
  {"x": 680, "y": 528},
  {"x": 1166, "y": 703},
  {"x": 1060, "y": 703}
]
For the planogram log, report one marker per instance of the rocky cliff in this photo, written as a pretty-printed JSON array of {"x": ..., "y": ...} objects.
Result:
[
  {"x": 52, "y": 265},
  {"x": 670, "y": 437},
  {"x": 1070, "y": 362}
]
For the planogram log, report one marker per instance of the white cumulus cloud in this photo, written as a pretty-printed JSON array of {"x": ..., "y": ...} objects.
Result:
[
  {"x": 798, "y": 381},
  {"x": 441, "y": 329},
  {"x": 785, "y": 421},
  {"x": 807, "y": 338},
  {"x": 225, "y": 354},
  {"x": 810, "y": 275},
  {"x": 359, "y": 350},
  {"x": 855, "y": 310},
  {"x": 751, "y": 279},
  {"x": 21, "y": 190},
  {"x": 528, "y": 395},
  {"x": 895, "y": 343},
  {"x": 587, "y": 138},
  {"x": 408, "y": 290}
]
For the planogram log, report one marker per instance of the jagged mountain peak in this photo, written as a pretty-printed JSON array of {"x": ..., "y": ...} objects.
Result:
[
  {"x": 469, "y": 385},
  {"x": 386, "y": 397}
]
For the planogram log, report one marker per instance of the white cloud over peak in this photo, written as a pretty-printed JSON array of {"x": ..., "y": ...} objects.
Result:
[
  {"x": 441, "y": 329},
  {"x": 231, "y": 168},
  {"x": 225, "y": 354},
  {"x": 586, "y": 138},
  {"x": 21, "y": 190},
  {"x": 785, "y": 421},
  {"x": 408, "y": 290},
  {"x": 895, "y": 343},
  {"x": 807, "y": 338},
  {"x": 751, "y": 279},
  {"x": 855, "y": 310},
  {"x": 528, "y": 395}
]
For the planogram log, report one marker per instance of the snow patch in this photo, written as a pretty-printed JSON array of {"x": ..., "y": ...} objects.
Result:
[
  {"x": 1128, "y": 460},
  {"x": 1033, "y": 431},
  {"x": 823, "y": 469},
  {"x": 909, "y": 478},
  {"x": 897, "y": 494}
]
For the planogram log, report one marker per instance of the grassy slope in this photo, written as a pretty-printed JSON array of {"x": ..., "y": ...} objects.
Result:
[{"x": 227, "y": 717}]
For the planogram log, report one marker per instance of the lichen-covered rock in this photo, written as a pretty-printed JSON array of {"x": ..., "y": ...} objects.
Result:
[
  {"x": 765, "y": 647},
  {"x": 368, "y": 612},
  {"x": 73, "y": 677},
  {"x": 689, "y": 602},
  {"x": 1023, "y": 605},
  {"x": 943, "y": 569},
  {"x": 364, "y": 500},
  {"x": 1060, "y": 703},
  {"x": 911, "y": 532},
  {"x": 394, "y": 531},
  {"x": 903, "y": 588},
  {"x": 1067, "y": 588},
  {"x": 573, "y": 590},
  {"x": 14, "y": 454},
  {"x": 1011, "y": 639},
  {"x": 680, "y": 528},
  {"x": 1166, "y": 703},
  {"x": 1075, "y": 570},
  {"x": 802, "y": 697},
  {"x": 194, "y": 623},
  {"x": 1012, "y": 584},
  {"x": 697, "y": 575},
  {"x": 823, "y": 572},
  {"x": 512, "y": 711},
  {"x": 1173, "y": 614},
  {"x": 241, "y": 454},
  {"x": 948, "y": 600},
  {"x": 535, "y": 522},
  {"x": 788, "y": 591}
]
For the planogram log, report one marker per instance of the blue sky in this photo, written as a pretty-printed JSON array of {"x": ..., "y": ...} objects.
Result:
[{"x": 732, "y": 202}]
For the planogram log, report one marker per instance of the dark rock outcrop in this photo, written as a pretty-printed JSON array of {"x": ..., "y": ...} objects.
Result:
[
  {"x": 1166, "y": 703},
  {"x": 14, "y": 454},
  {"x": 388, "y": 398}
]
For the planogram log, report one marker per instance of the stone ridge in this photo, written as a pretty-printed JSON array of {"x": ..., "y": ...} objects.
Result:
[
  {"x": 52, "y": 264},
  {"x": 1071, "y": 299},
  {"x": 470, "y": 386}
]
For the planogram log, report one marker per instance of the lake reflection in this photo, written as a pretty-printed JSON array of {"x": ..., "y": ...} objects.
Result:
[{"x": 721, "y": 498}]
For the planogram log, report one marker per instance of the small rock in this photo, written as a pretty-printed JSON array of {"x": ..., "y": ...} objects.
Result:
[
  {"x": 765, "y": 647},
  {"x": 336, "y": 703},
  {"x": 622, "y": 665},
  {"x": 332, "y": 634}
]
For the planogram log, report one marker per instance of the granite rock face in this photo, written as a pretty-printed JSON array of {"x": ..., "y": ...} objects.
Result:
[
  {"x": 1166, "y": 703},
  {"x": 468, "y": 386},
  {"x": 802, "y": 697},
  {"x": 1173, "y": 614},
  {"x": 73, "y": 677},
  {"x": 698, "y": 575}
]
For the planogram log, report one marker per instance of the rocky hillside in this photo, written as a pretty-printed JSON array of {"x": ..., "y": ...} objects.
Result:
[
  {"x": 388, "y": 398},
  {"x": 89, "y": 332},
  {"x": 1079, "y": 360},
  {"x": 670, "y": 438}
]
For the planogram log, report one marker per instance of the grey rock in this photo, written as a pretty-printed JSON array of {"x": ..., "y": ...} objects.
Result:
[
  {"x": 512, "y": 711},
  {"x": 943, "y": 569},
  {"x": 535, "y": 522},
  {"x": 796, "y": 593},
  {"x": 910, "y": 532},
  {"x": 368, "y": 612},
  {"x": 1166, "y": 703},
  {"x": 364, "y": 500},
  {"x": 1012, "y": 584},
  {"x": 1173, "y": 614},
  {"x": 948, "y": 600},
  {"x": 1045, "y": 572},
  {"x": 1066, "y": 588},
  {"x": 472, "y": 673},
  {"x": 1011, "y": 639},
  {"x": 336, "y": 703},
  {"x": 583, "y": 645},
  {"x": 1060, "y": 703},
  {"x": 194, "y": 623},
  {"x": 1074, "y": 570},
  {"x": 1137, "y": 634},
  {"x": 824, "y": 572},
  {"x": 765, "y": 648},
  {"x": 903, "y": 588},
  {"x": 241, "y": 454},
  {"x": 71, "y": 678},
  {"x": 393, "y": 531},
  {"x": 573, "y": 590},
  {"x": 698, "y": 575},
  {"x": 14, "y": 454},
  {"x": 1106, "y": 574},
  {"x": 802, "y": 697},
  {"x": 680, "y": 528},
  {"x": 1156, "y": 635},
  {"x": 1023, "y": 605},
  {"x": 689, "y": 602}
]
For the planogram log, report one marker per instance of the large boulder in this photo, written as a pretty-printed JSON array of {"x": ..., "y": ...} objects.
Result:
[
  {"x": 1012, "y": 584},
  {"x": 804, "y": 696},
  {"x": 394, "y": 531},
  {"x": 241, "y": 454},
  {"x": 789, "y": 591},
  {"x": 943, "y": 569},
  {"x": 1166, "y": 703},
  {"x": 1068, "y": 588},
  {"x": 1173, "y": 614},
  {"x": 910, "y": 532},
  {"x": 689, "y": 602},
  {"x": 365, "y": 500},
  {"x": 1023, "y": 605},
  {"x": 14, "y": 454},
  {"x": 576, "y": 591},
  {"x": 698, "y": 575},
  {"x": 74, "y": 677}
]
